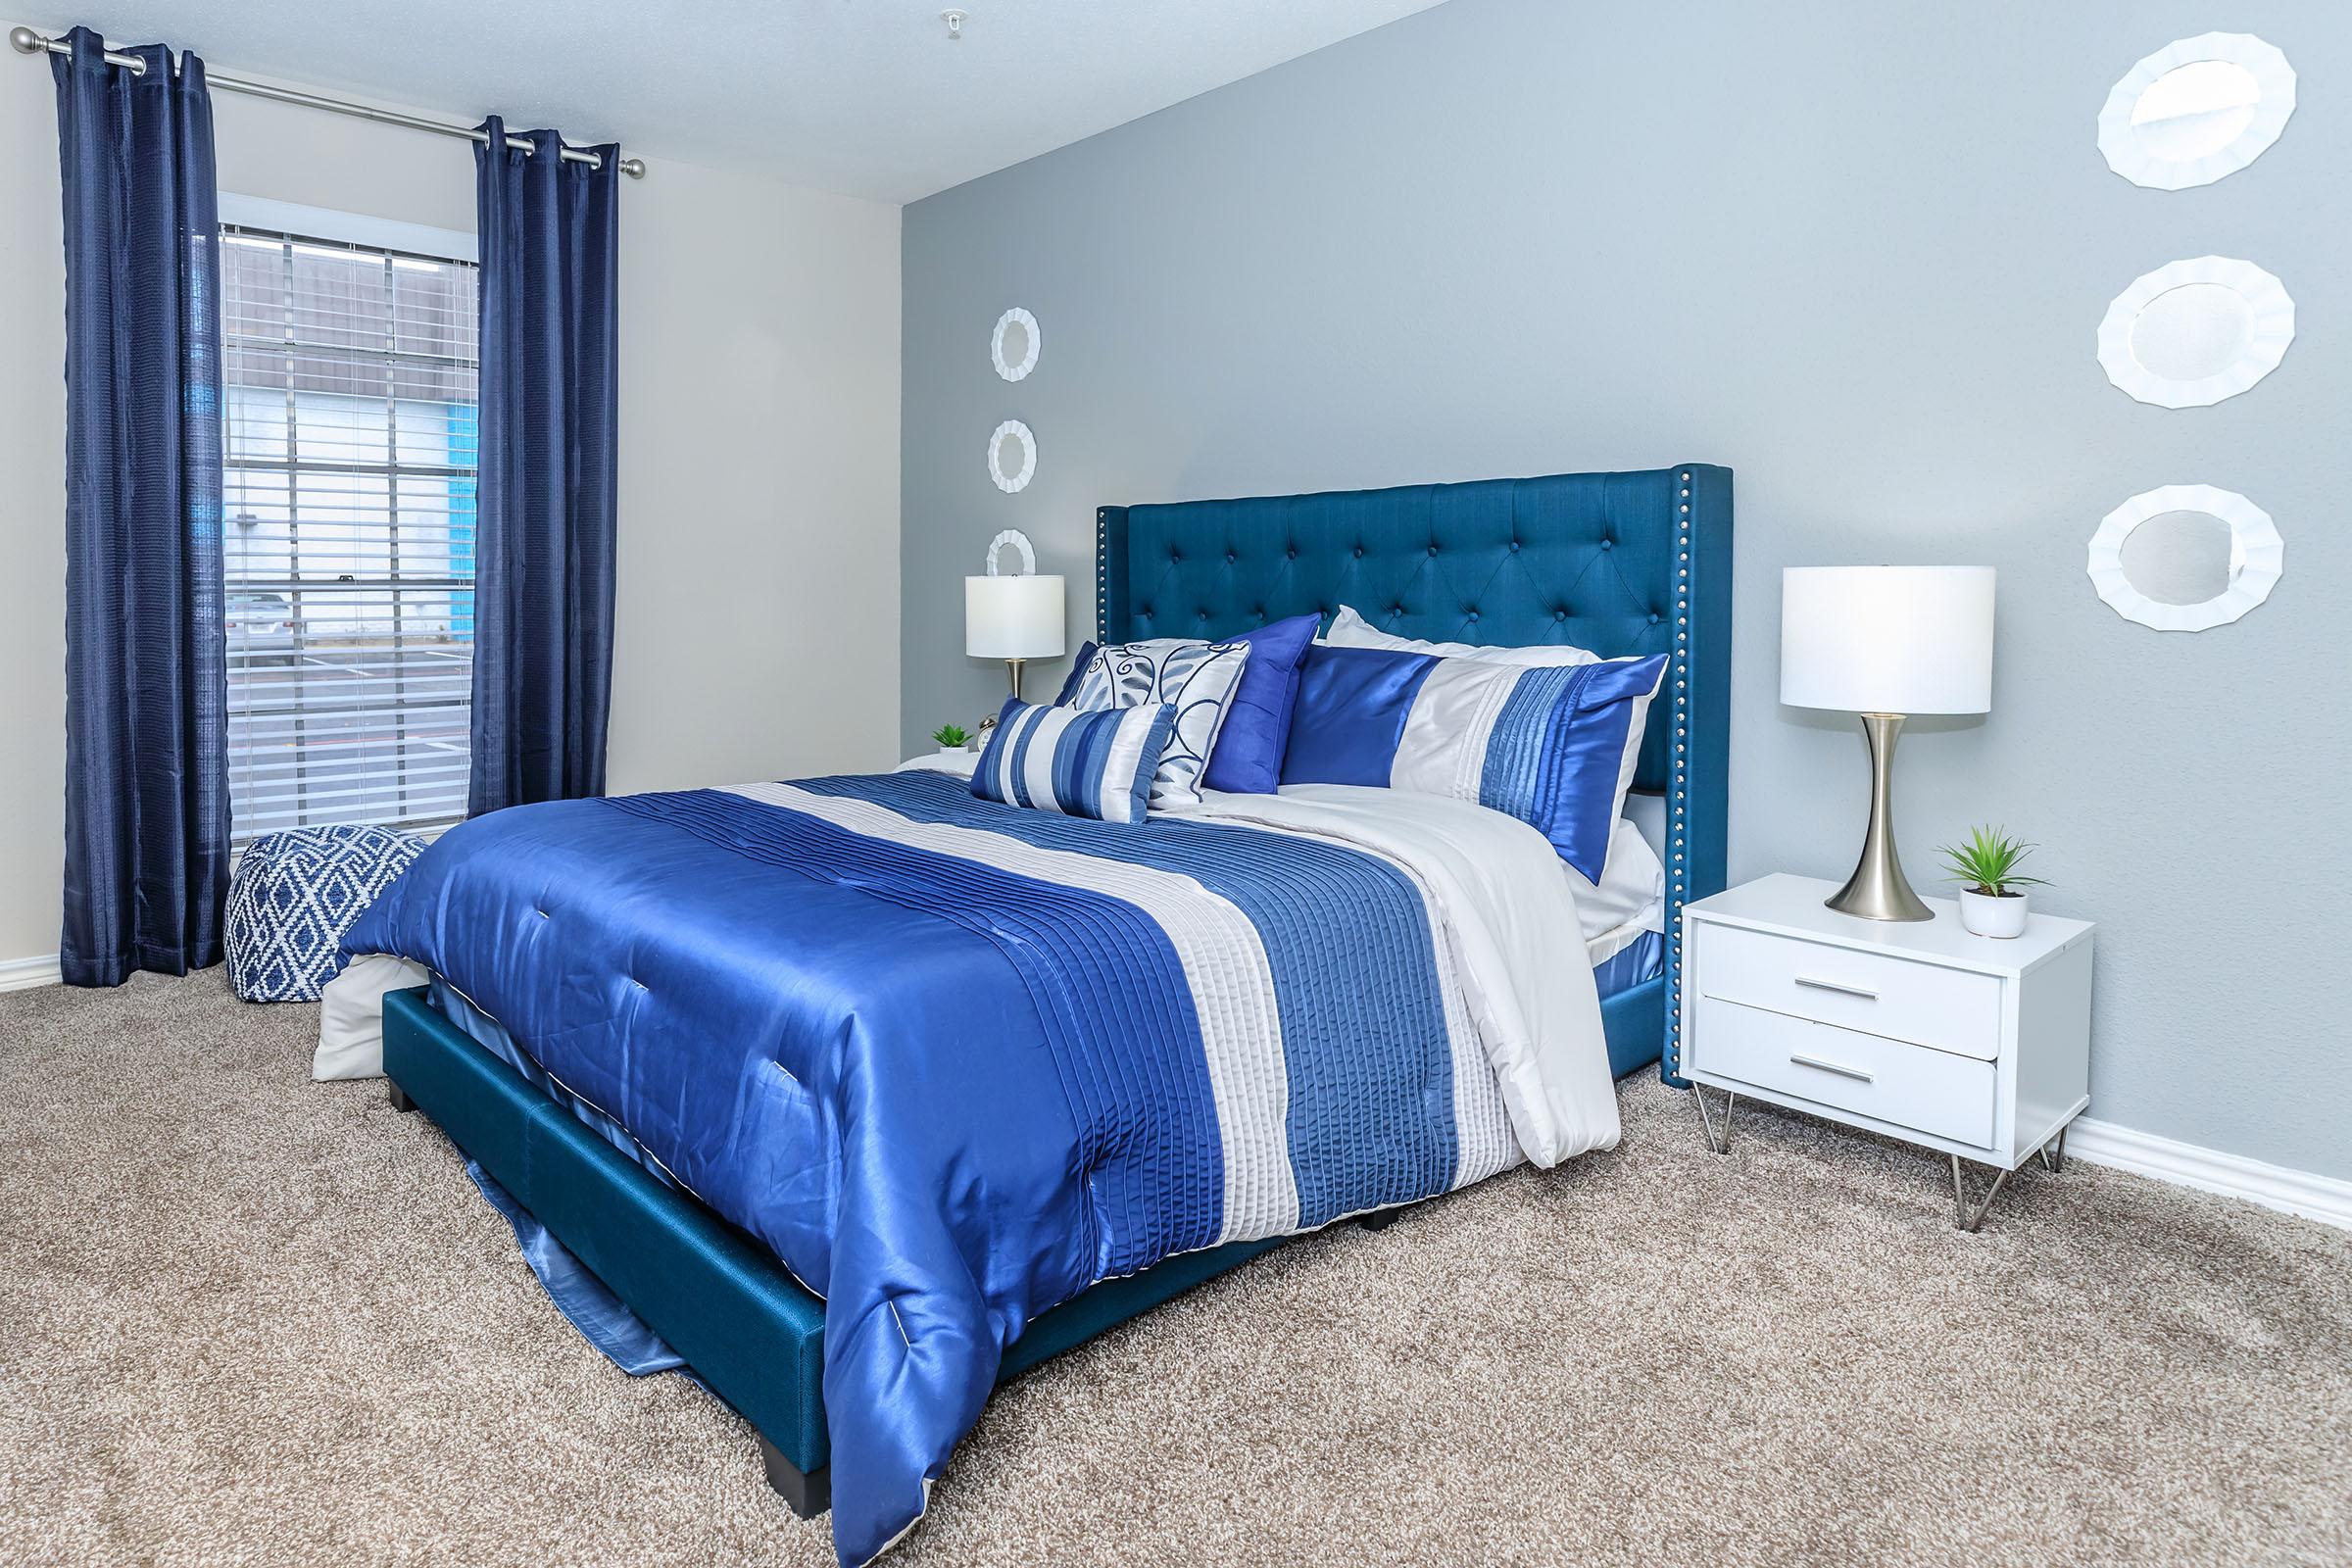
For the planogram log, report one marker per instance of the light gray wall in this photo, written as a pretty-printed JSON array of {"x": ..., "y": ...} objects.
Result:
[
  {"x": 1855, "y": 251},
  {"x": 757, "y": 599}
]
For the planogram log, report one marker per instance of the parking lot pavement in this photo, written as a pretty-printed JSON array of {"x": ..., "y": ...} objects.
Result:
[{"x": 369, "y": 736}]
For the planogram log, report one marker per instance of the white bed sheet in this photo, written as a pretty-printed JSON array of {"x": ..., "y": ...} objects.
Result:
[{"x": 1631, "y": 899}]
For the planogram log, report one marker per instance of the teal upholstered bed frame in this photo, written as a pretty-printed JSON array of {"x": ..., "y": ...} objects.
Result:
[{"x": 1618, "y": 562}]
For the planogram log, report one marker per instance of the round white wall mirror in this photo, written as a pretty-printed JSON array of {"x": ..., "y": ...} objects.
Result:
[
  {"x": 2186, "y": 557},
  {"x": 2197, "y": 332},
  {"x": 1011, "y": 456},
  {"x": 2196, "y": 111},
  {"x": 1013, "y": 347},
  {"x": 2181, "y": 558}
]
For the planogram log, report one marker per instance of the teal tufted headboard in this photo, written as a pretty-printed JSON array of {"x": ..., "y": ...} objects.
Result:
[{"x": 1621, "y": 564}]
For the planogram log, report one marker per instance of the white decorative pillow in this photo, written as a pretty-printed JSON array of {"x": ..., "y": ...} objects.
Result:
[
  {"x": 1196, "y": 679},
  {"x": 1351, "y": 630}
]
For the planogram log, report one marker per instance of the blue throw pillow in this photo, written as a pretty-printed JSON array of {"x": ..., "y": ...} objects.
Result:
[
  {"x": 1248, "y": 758},
  {"x": 1555, "y": 746},
  {"x": 1069, "y": 687},
  {"x": 1097, "y": 764}
]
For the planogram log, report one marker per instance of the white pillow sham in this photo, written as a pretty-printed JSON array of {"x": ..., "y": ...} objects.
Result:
[
  {"x": 1196, "y": 679},
  {"x": 1349, "y": 629}
]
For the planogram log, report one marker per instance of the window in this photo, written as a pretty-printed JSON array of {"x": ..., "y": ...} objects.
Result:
[{"x": 350, "y": 416}]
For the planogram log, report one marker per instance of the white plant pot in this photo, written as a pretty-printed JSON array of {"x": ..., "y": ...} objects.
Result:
[{"x": 1988, "y": 916}]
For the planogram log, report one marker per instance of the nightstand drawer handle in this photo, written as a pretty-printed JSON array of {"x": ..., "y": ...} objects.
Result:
[
  {"x": 1831, "y": 1066},
  {"x": 1831, "y": 985}
]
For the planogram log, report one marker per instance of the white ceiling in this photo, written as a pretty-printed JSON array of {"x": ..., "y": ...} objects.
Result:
[{"x": 863, "y": 97}]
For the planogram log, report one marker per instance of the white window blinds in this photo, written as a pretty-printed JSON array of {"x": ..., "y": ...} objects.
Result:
[{"x": 350, "y": 418}]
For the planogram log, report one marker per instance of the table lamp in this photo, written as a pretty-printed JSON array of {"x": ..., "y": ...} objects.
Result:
[
  {"x": 1015, "y": 618},
  {"x": 1886, "y": 642}
]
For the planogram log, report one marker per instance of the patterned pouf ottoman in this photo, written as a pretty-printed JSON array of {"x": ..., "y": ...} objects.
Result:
[{"x": 294, "y": 896}]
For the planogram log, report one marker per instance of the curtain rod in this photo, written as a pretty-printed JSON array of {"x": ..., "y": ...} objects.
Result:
[{"x": 26, "y": 41}]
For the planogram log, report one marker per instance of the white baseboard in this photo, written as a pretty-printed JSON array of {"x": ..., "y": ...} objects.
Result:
[
  {"x": 20, "y": 974},
  {"x": 2322, "y": 1198}
]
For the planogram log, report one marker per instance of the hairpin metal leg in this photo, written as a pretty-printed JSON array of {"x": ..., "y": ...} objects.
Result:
[
  {"x": 1717, "y": 1144},
  {"x": 2053, "y": 1152},
  {"x": 1967, "y": 1219}
]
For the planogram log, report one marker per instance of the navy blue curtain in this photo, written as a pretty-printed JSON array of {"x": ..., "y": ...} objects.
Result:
[
  {"x": 543, "y": 622},
  {"x": 146, "y": 652}
]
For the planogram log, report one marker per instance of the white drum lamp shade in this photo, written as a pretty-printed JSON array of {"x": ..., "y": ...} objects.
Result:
[
  {"x": 1885, "y": 642},
  {"x": 1013, "y": 618},
  {"x": 1887, "y": 639}
]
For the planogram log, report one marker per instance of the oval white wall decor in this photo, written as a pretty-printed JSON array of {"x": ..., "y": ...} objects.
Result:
[
  {"x": 1011, "y": 456},
  {"x": 1019, "y": 541},
  {"x": 2195, "y": 331},
  {"x": 2196, "y": 111},
  {"x": 1013, "y": 347},
  {"x": 2148, "y": 578}
]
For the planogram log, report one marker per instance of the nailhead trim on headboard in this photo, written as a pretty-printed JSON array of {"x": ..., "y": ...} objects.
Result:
[{"x": 1678, "y": 793}]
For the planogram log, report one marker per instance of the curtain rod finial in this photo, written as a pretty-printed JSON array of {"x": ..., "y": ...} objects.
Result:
[
  {"x": 634, "y": 167},
  {"x": 26, "y": 41}
]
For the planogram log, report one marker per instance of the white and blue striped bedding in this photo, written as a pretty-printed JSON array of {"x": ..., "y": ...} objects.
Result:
[{"x": 954, "y": 1061}]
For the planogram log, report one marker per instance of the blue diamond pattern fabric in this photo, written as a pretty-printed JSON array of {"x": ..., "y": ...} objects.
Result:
[{"x": 293, "y": 897}]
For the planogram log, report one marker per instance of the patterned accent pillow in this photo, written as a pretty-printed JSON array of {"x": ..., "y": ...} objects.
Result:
[
  {"x": 1097, "y": 764},
  {"x": 295, "y": 893},
  {"x": 1554, "y": 746},
  {"x": 1196, "y": 679}
]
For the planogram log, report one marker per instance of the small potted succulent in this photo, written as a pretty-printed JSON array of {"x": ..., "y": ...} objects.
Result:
[
  {"x": 1993, "y": 896},
  {"x": 952, "y": 738}
]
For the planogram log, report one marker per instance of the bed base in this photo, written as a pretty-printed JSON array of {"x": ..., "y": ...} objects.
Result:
[{"x": 730, "y": 1311}]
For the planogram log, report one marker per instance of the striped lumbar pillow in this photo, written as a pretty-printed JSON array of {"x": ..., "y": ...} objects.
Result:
[{"x": 1097, "y": 764}]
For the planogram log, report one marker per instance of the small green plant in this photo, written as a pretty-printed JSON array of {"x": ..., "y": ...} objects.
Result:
[
  {"x": 1987, "y": 862},
  {"x": 952, "y": 736}
]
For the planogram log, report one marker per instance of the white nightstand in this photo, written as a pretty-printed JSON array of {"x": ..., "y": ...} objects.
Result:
[{"x": 1974, "y": 1047}]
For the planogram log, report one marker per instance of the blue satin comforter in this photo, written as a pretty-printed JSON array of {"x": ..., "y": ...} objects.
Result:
[{"x": 954, "y": 1061}]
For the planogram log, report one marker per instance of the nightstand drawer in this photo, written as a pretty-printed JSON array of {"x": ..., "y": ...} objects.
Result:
[
  {"x": 1950, "y": 1010},
  {"x": 1931, "y": 1091}
]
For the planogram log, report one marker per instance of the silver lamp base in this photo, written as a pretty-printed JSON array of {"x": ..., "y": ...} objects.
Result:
[
  {"x": 1012, "y": 668},
  {"x": 1876, "y": 891}
]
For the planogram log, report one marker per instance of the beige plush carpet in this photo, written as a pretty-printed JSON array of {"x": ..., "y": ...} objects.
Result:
[{"x": 249, "y": 1319}]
